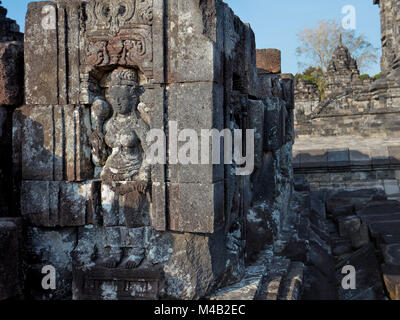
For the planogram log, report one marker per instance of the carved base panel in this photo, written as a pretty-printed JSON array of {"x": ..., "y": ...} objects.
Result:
[{"x": 117, "y": 284}]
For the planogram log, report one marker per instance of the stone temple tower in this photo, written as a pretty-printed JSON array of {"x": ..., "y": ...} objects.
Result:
[{"x": 342, "y": 70}]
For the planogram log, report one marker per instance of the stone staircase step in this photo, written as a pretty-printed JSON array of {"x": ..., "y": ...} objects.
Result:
[
  {"x": 374, "y": 208},
  {"x": 381, "y": 218},
  {"x": 249, "y": 287},
  {"x": 273, "y": 279},
  {"x": 366, "y": 264},
  {"x": 245, "y": 289},
  {"x": 391, "y": 254},
  {"x": 391, "y": 277},
  {"x": 291, "y": 286},
  {"x": 379, "y": 229},
  {"x": 390, "y": 238}
]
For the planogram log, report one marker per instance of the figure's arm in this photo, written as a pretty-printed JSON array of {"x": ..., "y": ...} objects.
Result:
[{"x": 100, "y": 111}]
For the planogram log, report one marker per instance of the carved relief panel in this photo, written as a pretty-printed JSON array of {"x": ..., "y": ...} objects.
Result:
[{"x": 118, "y": 33}]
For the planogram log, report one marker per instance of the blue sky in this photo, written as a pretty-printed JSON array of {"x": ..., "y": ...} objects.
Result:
[{"x": 276, "y": 23}]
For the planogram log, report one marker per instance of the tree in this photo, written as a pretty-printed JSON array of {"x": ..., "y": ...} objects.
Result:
[
  {"x": 316, "y": 76},
  {"x": 318, "y": 44}
]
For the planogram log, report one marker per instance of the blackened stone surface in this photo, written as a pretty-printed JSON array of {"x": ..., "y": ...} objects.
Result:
[
  {"x": 11, "y": 278},
  {"x": 367, "y": 267},
  {"x": 11, "y": 73},
  {"x": 50, "y": 247}
]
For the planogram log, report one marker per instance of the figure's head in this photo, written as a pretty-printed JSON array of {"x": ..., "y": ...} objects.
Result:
[{"x": 124, "y": 91}]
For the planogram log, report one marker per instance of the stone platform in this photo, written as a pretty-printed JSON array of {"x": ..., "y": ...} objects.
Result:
[{"x": 351, "y": 162}]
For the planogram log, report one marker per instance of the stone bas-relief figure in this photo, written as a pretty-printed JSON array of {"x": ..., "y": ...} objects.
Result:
[
  {"x": 118, "y": 148},
  {"x": 125, "y": 131}
]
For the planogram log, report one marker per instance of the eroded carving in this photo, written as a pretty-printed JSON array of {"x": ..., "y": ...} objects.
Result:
[
  {"x": 110, "y": 15},
  {"x": 113, "y": 16},
  {"x": 116, "y": 51}
]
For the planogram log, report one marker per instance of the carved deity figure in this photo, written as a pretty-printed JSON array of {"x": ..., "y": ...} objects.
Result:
[
  {"x": 124, "y": 133},
  {"x": 118, "y": 150}
]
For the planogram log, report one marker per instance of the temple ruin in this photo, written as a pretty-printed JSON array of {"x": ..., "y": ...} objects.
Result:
[
  {"x": 348, "y": 150},
  {"x": 85, "y": 199},
  {"x": 87, "y": 83}
]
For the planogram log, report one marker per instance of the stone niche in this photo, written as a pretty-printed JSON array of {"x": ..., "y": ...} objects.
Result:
[{"x": 121, "y": 227}]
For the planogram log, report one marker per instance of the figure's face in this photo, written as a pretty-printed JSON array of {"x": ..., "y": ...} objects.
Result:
[{"x": 122, "y": 99}]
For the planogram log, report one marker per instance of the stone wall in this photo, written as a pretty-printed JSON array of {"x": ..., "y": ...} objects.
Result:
[
  {"x": 11, "y": 95},
  {"x": 113, "y": 225}
]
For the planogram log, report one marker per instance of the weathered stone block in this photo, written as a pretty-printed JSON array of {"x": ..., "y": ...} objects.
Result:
[
  {"x": 314, "y": 158},
  {"x": 391, "y": 187},
  {"x": 360, "y": 157},
  {"x": 256, "y": 122},
  {"x": 379, "y": 155},
  {"x": 275, "y": 117},
  {"x": 79, "y": 166},
  {"x": 10, "y": 258},
  {"x": 50, "y": 247},
  {"x": 52, "y": 203},
  {"x": 193, "y": 52},
  {"x": 296, "y": 161},
  {"x": 54, "y": 142},
  {"x": 365, "y": 262},
  {"x": 269, "y": 60},
  {"x": 3, "y": 123},
  {"x": 11, "y": 73},
  {"x": 348, "y": 226},
  {"x": 53, "y": 35},
  {"x": 394, "y": 154},
  {"x": 361, "y": 237},
  {"x": 41, "y": 44},
  {"x": 39, "y": 144},
  {"x": 391, "y": 254},
  {"x": 195, "y": 106},
  {"x": 338, "y": 158},
  {"x": 200, "y": 214},
  {"x": 159, "y": 206}
]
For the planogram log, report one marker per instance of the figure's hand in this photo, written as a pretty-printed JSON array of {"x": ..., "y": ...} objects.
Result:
[
  {"x": 144, "y": 112},
  {"x": 142, "y": 186}
]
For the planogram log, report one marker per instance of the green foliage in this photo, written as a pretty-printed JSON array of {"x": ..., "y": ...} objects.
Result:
[
  {"x": 377, "y": 76},
  {"x": 368, "y": 77},
  {"x": 365, "y": 77},
  {"x": 316, "y": 76}
]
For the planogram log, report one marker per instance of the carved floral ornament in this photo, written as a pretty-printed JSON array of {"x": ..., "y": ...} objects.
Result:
[
  {"x": 113, "y": 15},
  {"x": 116, "y": 51}
]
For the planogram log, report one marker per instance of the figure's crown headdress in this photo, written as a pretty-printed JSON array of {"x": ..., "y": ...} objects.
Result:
[{"x": 124, "y": 77}]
